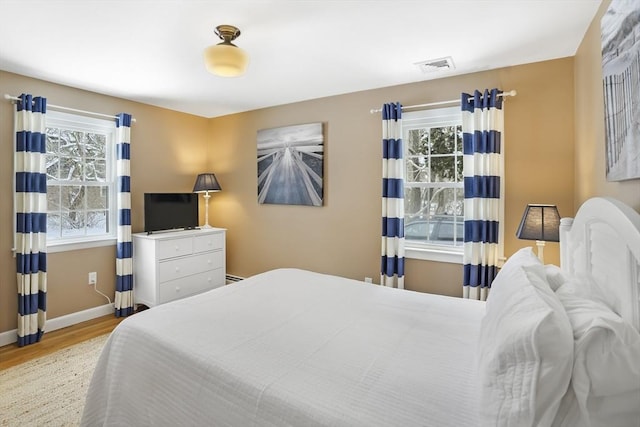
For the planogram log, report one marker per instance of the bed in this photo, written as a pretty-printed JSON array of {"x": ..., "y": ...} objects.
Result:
[{"x": 290, "y": 347}]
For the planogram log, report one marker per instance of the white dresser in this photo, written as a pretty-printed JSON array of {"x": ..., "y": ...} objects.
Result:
[{"x": 176, "y": 264}]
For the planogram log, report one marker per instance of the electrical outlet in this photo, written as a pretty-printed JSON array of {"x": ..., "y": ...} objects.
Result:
[
  {"x": 93, "y": 278},
  {"x": 368, "y": 280}
]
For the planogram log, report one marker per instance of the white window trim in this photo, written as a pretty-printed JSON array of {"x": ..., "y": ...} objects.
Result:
[
  {"x": 448, "y": 254},
  {"x": 56, "y": 118},
  {"x": 70, "y": 245}
]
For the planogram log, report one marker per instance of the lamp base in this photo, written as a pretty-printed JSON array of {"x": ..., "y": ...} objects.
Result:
[
  {"x": 206, "y": 226},
  {"x": 207, "y": 196},
  {"x": 540, "y": 244}
]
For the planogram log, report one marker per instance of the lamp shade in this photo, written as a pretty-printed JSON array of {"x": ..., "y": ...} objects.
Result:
[
  {"x": 225, "y": 60},
  {"x": 540, "y": 222},
  {"x": 206, "y": 182}
]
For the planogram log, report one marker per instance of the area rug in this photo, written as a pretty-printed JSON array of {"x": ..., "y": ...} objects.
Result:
[{"x": 50, "y": 390}]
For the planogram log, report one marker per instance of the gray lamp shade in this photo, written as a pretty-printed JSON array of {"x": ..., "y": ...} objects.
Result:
[
  {"x": 540, "y": 222},
  {"x": 206, "y": 182}
]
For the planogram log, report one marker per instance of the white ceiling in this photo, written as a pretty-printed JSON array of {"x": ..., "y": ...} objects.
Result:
[{"x": 151, "y": 50}]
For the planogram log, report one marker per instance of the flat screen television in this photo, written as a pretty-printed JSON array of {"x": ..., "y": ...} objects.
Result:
[{"x": 169, "y": 211}]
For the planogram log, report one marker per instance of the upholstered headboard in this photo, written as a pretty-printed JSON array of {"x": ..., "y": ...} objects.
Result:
[{"x": 604, "y": 240}]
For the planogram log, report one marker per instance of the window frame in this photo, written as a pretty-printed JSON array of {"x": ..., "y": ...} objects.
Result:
[
  {"x": 107, "y": 127},
  {"x": 442, "y": 116},
  {"x": 445, "y": 116}
]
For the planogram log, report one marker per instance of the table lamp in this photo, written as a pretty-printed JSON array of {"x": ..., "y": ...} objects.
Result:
[{"x": 206, "y": 182}]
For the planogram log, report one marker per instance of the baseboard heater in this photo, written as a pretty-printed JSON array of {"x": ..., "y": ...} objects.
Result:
[{"x": 230, "y": 278}]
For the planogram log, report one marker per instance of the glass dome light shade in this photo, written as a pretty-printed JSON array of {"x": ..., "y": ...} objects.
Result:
[{"x": 225, "y": 59}]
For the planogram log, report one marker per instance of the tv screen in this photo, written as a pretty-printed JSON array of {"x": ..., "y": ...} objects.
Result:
[{"x": 168, "y": 211}]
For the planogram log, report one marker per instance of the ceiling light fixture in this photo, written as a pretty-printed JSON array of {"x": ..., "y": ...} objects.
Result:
[{"x": 226, "y": 59}]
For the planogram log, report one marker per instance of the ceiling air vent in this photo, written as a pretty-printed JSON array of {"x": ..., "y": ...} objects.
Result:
[{"x": 440, "y": 64}]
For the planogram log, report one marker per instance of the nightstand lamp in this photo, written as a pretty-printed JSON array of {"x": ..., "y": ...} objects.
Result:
[
  {"x": 540, "y": 223},
  {"x": 206, "y": 182}
]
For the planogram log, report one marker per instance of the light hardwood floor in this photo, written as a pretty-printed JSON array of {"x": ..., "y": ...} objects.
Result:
[{"x": 11, "y": 355}]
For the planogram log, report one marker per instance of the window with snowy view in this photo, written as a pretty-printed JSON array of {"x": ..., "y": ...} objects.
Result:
[{"x": 80, "y": 178}]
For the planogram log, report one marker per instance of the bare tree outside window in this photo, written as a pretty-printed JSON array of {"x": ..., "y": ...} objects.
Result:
[{"x": 78, "y": 181}]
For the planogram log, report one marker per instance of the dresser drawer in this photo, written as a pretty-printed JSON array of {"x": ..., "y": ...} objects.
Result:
[
  {"x": 190, "y": 285},
  {"x": 208, "y": 242},
  {"x": 180, "y": 267},
  {"x": 174, "y": 247}
]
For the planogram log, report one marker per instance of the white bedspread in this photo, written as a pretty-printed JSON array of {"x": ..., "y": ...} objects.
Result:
[{"x": 292, "y": 348}]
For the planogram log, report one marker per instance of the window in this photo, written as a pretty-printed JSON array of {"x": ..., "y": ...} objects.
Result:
[
  {"x": 434, "y": 184},
  {"x": 80, "y": 181}
]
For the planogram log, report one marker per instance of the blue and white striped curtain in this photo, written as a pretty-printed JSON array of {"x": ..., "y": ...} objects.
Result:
[
  {"x": 392, "y": 264},
  {"x": 31, "y": 217},
  {"x": 482, "y": 127},
  {"x": 124, "y": 248}
]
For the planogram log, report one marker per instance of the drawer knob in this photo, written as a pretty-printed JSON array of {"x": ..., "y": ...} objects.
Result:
[
  {"x": 177, "y": 288},
  {"x": 209, "y": 279},
  {"x": 177, "y": 269},
  {"x": 177, "y": 248},
  {"x": 208, "y": 261}
]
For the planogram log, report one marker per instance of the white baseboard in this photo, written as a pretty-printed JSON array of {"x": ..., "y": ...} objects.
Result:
[{"x": 10, "y": 337}]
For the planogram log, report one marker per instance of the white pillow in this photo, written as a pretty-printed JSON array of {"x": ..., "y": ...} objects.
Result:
[
  {"x": 585, "y": 286},
  {"x": 521, "y": 258},
  {"x": 555, "y": 276},
  {"x": 525, "y": 347},
  {"x": 606, "y": 371}
]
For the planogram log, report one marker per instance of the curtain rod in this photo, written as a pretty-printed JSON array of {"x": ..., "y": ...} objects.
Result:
[
  {"x": 451, "y": 101},
  {"x": 58, "y": 107}
]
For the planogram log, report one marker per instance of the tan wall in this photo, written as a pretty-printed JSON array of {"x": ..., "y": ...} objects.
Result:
[
  {"x": 342, "y": 237},
  {"x": 168, "y": 150},
  {"x": 590, "y": 177}
]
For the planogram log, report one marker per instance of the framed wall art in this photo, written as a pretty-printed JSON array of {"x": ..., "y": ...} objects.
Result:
[
  {"x": 291, "y": 165},
  {"x": 620, "y": 29}
]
